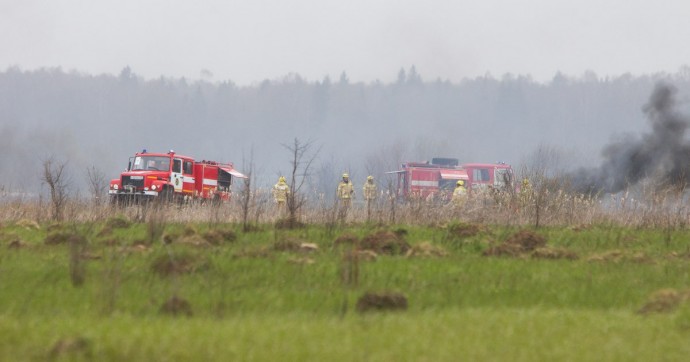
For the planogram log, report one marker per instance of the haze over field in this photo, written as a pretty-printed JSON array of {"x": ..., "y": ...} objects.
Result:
[{"x": 373, "y": 83}]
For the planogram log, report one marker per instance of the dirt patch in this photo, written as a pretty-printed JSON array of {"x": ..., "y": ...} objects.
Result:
[
  {"x": 548, "y": 252},
  {"x": 253, "y": 253},
  {"x": 58, "y": 237},
  {"x": 617, "y": 256},
  {"x": 426, "y": 250},
  {"x": 526, "y": 240},
  {"x": 664, "y": 301},
  {"x": 193, "y": 240},
  {"x": 287, "y": 244},
  {"x": 73, "y": 347},
  {"x": 522, "y": 243},
  {"x": 302, "y": 260},
  {"x": 166, "y": 265},
  {"x": 177, "y": 306},
  {"x": 385, "y": 242},
  {"x": 581, "y": 227},
  {"x": 16, "y": 244},
  {"x": 381, "y": 301},
  {"x": 346, "y": 239}
]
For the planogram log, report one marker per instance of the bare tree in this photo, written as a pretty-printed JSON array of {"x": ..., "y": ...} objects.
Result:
[
  {"x": 55, "y": 177},
  {"x": 301, "y": 161},
  {"x": 97, "y": 183}
]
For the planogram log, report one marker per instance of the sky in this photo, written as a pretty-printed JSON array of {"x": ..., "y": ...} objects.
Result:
[{"x": 252, "y": 40}]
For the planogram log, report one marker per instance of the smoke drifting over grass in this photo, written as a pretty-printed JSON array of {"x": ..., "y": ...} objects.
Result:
[{"x": 662, "y": 156}]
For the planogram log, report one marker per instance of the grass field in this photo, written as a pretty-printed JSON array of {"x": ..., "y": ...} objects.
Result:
[{"x": 116, "y": 289}]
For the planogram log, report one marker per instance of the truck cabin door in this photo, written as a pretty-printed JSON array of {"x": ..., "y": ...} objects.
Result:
[{"x": 176, "y": 175}]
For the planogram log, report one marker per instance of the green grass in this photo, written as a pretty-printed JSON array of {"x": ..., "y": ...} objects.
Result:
[{"x": 251, "y": 302}]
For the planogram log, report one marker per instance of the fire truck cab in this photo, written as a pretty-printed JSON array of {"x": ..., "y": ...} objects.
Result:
[
  {"x": 171, "y": 176},
  {"x": 498, "y": 176}
]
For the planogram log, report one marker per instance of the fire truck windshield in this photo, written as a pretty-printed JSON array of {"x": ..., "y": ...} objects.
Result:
[{"x": 151, "y": 163}]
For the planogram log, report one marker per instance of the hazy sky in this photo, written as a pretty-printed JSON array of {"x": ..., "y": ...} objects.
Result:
[{"x": 252, "y": 40}]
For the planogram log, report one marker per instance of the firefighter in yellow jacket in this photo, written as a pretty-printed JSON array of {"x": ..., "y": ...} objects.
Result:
[
  {"x": 369, "y": 189},
  {"x": 346, "y": 191},
  {"x": 281, "y": 190},
  {"x": 460, "y": 193}
]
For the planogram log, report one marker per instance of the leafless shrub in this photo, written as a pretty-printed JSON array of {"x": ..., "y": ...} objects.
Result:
[
  {"x": 301, "y": 161},
  {"x": 98, "y": 184},
  {"x": 55, "y": 177}
]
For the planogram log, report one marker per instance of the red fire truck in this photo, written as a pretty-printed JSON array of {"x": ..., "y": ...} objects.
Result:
[
  {"x": 171, "y": 176},
  {"x": 437, "y": 179}
]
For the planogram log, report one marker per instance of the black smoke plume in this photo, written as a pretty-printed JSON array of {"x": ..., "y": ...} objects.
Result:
[{"x": 662, "y": 156}]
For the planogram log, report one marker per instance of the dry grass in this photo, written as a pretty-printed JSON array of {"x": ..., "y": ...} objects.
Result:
[{"x": 650, "y": 207}]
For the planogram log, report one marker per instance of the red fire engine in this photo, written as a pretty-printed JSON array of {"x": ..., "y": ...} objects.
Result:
[
  {"x": 438, "y": 178},
  {"x": 172, "y": 176}
]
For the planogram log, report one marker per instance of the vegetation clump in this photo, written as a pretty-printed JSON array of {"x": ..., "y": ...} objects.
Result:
[
  {"x": 346, "y": 239},
  {"x": 287, "y": 244},
  {"x": 521, "y": 243},
  {"x": 168, "y": 265},
  {"x": 381, "y": 301},
  {"x": 28, "y": 224},
  {"x": 218, "y": 237},
  {"x": 57, "y": 237},
  {"x": 426, "y": 250},
  {"x": 548, "y": 252},
  {"x": 664, "y": 301},
  {"x": 177, "y": 306},
  {"x": 385, "y": 242},
  {"x": 118, "y": 222},
  {"x": 289, "y": 223},
  {"x": 463, "y": 230},
  {"x": 72, "y": 348},
  {"x": 617, "y": 256}
]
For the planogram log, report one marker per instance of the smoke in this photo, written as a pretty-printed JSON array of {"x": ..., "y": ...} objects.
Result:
[{"x": 662, "y": 156}]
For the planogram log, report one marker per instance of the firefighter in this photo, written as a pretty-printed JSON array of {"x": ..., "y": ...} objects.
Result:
[
  {"x": 526, "y": 192},
  {"x": 281, "y": 190},
  {"x": 369, "y": 189},
  {"x": 460, "y": 193},
  {"x": 346, "y": 191},
  {"x": 369, "y": 192}
]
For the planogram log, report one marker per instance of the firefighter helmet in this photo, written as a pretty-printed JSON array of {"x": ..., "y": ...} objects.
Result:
[
  {"x": 345, "y": 175},
  {"x": 461, "y": 182},
  {"x": 281, "y": 179},
  {"x": 370, "y": 178}
]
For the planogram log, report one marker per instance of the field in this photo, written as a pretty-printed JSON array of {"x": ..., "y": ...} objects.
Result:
[{"x": 159, "y": 284}]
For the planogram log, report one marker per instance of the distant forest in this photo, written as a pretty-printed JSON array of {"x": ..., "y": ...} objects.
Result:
[{"x": 99, "y": 121}]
